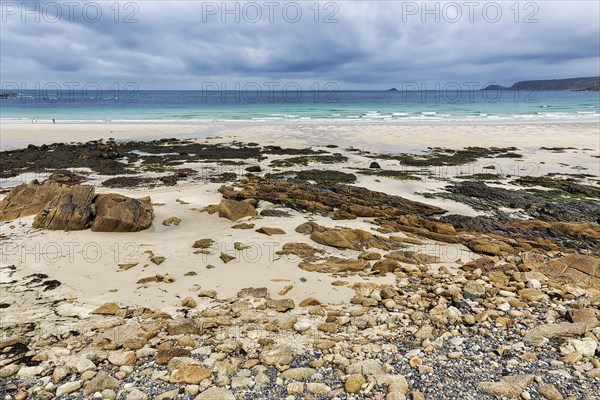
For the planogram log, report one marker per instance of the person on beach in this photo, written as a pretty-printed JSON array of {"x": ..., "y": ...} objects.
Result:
[{"x": 53, "y": 121}]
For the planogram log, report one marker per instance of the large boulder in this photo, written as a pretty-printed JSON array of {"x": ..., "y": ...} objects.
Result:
[
  {"x": 234, "y": 210},
  {"x": 29, "y": 199},
  {"x": 117, "y": 213},
  {"x": 72, "y": 211}
]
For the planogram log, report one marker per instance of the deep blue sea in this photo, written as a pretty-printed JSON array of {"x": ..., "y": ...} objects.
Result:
[{"x": 106, "y": 106}]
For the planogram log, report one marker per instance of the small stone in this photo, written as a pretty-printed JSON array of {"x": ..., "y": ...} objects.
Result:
[
  {"x": 226, "y": 258},
  {"x": 549, "y": 392},
  {"x": 120, "y": 358},
  {"x": 282, "y": 305},
  {"x": 365, "y": 367},
  {"x": 107, "y": 309},
  {"x": 354, "y": 382},
  {"x": 318, "y": 388},
  {"x": 532, "y": 295},
  {"x": 295, "y": 388},
  {"x": 425, "y": 332},
  {"x": 585, "y": 315},
  {"x": 586, "y": 347},
  {"x": 25, "y": 372},
  {"x": 534, "y": 284},
  {"x": 10, "y": 370},
  {"x": 171, "y": 221},
  {"x": 158, "y": 260},
  {"x": 208, "y": 293},
  {"x": 369, "y": 256},
  {"x": 189, "y": 303},
  {"x": 298, "y": 374},
  {"x": 593, "y": 373},
  {"x": 259, "y": 293},
  {"x": 109, "y": 394},
  {"x": 282, "y": 355},
  {"x": 285, "y": 290},
  {"x": 68, "y": 387},
  {"x": 473, "y": 290},
  {"x": 136, "y": 394},
  {"x": 238, "y": 382},
  {"x": 163, "y": 356},
  {"x": 85, "y": 364},
  {"x": 310, "y": 301},
  {"x": 190, "y": 374},
  {"x": 101, "y": 382},
  {"x": 215, "y": 393},
  {"x": 271, "y": 231},
  {"x": 418, "y": 395},
  {"x": 229, "y": 346},
  {"x": 243, "y": 225},
  {"x": 302, "y": 326},
  {"x": 328, "y": 327},
  {"x": 203, "y": 244}
]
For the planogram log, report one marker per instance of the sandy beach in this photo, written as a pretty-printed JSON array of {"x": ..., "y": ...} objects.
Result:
[
  {"x": 87, "y": 270},
  {"x": 390, "y": 137}
]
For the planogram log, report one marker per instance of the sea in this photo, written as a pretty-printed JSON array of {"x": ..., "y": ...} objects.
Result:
[{"x": 191, "y": 107}]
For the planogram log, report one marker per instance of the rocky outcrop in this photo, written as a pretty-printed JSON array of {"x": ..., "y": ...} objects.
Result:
[
  {"x": 326, "y": 198},
  {"x": 76, "y": 207},
  {"x": 116, "y": 213},
  {"x": 575, "y": 268},
  {"x": 69, "y": 211},
  {"x": 234, "y": 210},
  {"x": 29, "y": 199}
]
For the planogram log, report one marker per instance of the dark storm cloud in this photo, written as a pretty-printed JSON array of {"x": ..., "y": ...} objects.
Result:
[{"x": 373, "y": 44}]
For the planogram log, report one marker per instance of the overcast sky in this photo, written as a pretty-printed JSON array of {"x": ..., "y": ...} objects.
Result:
[{"x": 356, "y": 45}]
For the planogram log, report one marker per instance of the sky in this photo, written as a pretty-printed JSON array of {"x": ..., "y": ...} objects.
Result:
[{"x": 306, "y": 44}]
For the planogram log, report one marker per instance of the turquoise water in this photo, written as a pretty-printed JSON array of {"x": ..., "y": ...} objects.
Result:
[{"x": 197, "y": 106}]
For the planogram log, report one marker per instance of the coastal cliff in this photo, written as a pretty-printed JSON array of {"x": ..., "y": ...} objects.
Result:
[{"x": 574, "y": 84}]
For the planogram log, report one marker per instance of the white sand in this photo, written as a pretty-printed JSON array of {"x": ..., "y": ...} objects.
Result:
[
  {"x": 366, "y": 136},
  {"x": 87, "y": 262}
]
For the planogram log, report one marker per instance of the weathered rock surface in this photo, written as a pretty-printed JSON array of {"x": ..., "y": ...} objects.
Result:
[
  {"x": 116, "y": 213},
  {"x": 71, "y": 211},
  {"x": 76, "y": 207},
  {"x": 234, "y": 210},
  {"x": 29, "y": 199}
]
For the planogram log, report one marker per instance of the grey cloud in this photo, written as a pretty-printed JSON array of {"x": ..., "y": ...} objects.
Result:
[{"x": 371, "y": 46}]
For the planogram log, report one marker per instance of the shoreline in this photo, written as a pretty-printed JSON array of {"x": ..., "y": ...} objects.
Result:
[{"x": 416, "y": 136}]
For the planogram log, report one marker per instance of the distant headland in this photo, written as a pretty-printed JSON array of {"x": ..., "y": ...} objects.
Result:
[{"x": 575, "y": 84}]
